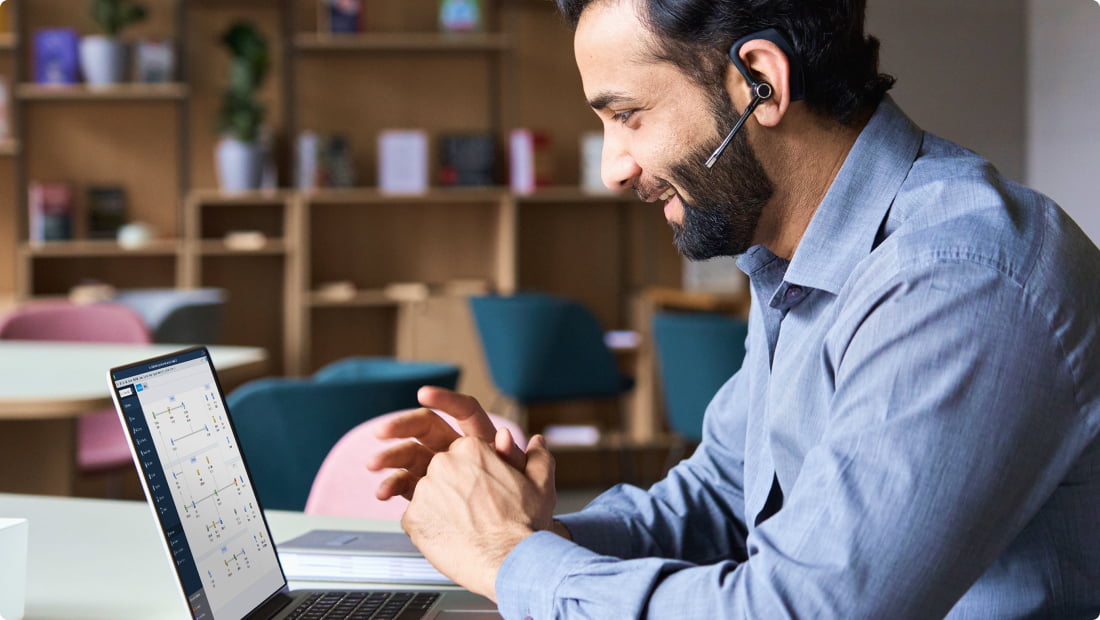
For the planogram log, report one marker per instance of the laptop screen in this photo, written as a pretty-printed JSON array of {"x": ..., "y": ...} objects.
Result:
[{"x": 198, "y": 484}]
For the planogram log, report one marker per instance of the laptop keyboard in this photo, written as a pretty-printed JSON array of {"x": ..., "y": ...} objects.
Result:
[{"x": 365, "y": 605}]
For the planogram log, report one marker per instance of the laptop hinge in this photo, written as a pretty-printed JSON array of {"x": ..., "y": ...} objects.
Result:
[{"x": 271, "y": 606}]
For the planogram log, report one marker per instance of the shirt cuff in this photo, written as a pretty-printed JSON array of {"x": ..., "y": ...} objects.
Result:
[
  {"x": 602, "y": 532},
  {"x": 530, "y": 575}
]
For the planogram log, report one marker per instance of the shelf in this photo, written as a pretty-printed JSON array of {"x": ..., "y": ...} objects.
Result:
[
  {"x": 215, "y": 198},
  {"x": 9, "y": 147},
  {"x": 272, "y": 247},
  {"x": 8, "y": 41},
  {"x": 402, "y": 42},
  {"x": 133, "y": 91},
  {"x": 361, "y": 299},
  {"x": 89, "y": 248},
  {"x": 559, "y": 194},
  {"x": 357, "y": 196}
]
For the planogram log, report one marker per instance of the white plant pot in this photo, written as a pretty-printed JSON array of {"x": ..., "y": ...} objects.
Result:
[
  {"x": 238, "y": 165},
  {"x": 103, "y": 60}
]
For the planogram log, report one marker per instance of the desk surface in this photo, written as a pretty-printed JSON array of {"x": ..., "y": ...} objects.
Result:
[
  {"x": 104, "y": 559},
  {"x": 41, "y": 380}
]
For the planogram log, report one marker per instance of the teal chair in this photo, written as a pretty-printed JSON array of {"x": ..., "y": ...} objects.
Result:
[
  {"x": 541, "y": 348},
  {"x": 696, "y": 354},
  {"x": 286, "y": 427}
]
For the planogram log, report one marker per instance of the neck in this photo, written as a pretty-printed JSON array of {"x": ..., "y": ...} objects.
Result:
[{"x": 803, "y": 157}]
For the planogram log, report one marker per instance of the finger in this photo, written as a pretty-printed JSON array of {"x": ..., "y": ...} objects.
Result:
[
  {"x": 508, "y": 450},
  {"x": 424, "y": 425},
  {"x": 472, "y": 419},
  {"x": 540, "y": 463},
  {"x": 406, "y": 455},
  {"x": 400, "y": 483}
]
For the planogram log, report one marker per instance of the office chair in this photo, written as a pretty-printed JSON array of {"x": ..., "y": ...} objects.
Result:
[
  {"x": 541, "y": 348},
  {"x": 287, "y": 426},
  {"x": 101, "y": 441},
  {"x": 192, "y": 316},
  {"x": 344, "y": 487},
  {"x": 696, "y": 354}
]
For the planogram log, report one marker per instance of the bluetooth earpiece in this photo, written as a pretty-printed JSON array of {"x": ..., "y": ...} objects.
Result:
[{"x": 761, "y": 90}]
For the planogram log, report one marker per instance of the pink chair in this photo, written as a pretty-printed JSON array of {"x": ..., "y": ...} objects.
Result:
[
  {"x": 344, "y": 487},
  {"x": 101, "y": 442}
]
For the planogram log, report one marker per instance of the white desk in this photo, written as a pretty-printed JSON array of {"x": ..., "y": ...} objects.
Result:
[
  {"x": 45, "y": 386},
  {"x": 103, "y": 559}
]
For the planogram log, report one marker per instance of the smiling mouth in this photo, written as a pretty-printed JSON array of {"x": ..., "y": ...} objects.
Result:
[{"x": 669, "y": 193}]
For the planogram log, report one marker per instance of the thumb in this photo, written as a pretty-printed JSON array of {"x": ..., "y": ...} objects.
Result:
[
  {"x": 506, "y": 447},
  {"x": 540, "y": 463}
]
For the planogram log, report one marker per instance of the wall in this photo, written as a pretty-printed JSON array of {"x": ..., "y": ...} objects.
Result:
[
  {"x": 961, "y": 70},
  {"x": 1064, "y": 87}
]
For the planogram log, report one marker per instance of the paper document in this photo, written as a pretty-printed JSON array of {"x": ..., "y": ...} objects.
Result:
[{"x": 335, "y": 555}]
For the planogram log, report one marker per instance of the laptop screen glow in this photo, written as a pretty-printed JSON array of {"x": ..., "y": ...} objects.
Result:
[{"x": 198, "y": 485}]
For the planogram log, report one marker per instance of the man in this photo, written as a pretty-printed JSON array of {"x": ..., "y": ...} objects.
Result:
[{"x": 914, "y": 432}]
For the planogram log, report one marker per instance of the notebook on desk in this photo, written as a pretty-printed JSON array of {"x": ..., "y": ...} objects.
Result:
[{"x": 214, "y": 530}]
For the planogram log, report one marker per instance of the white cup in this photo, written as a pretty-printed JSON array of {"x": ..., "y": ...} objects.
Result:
[{"x": 13, "y": 568}]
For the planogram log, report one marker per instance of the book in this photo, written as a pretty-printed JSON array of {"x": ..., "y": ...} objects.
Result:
[
  {"x": 56, "y": 58},
  {"x": 459, "y": 15},
  {"x": 154, "y": 61},
  {"x": 324, "y": 161},
  {"x": 344, "y": 16},
  {"x": 529, "y": 160},
  {"x": 466, "y": 159},
  {"x": 372, "y": 557},
  {"x": 106, "y": 210},
  {"x": 403, "y": 161},
  {"x": 50, "y": 214}
]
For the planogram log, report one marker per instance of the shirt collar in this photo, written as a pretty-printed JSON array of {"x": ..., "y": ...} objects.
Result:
[{"x": 843, "y": 229}]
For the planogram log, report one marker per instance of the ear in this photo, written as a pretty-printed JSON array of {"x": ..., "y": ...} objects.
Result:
[{"x": 768, "y": 64}]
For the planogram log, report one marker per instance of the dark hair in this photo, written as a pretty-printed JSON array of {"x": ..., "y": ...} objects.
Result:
[{"x": 839, "y": 61}]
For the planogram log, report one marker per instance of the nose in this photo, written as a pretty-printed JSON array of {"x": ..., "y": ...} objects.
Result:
[{"x": 618, "y": 169}]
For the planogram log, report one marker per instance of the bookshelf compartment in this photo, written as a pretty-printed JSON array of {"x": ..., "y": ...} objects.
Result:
[
  {"x": 340, "y": 332},
  {"x": 255, "y": 312},
  {"x": 56, "y": 275}
]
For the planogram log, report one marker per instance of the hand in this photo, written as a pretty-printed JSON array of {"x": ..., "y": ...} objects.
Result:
[
  {"x": 471, "y": 508},
  {"x": 434, "y": 435}
]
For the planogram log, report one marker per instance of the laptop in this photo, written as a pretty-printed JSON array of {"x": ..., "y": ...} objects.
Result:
[{"x": 199, "y": 488}]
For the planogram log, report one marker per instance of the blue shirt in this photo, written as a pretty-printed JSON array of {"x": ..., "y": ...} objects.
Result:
[{"x": 915, "y": 431}]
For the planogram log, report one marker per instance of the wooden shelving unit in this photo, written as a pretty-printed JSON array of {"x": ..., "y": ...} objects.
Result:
[
  {"x": 402, "y": 42},
  {"x": 9, "y": 147},
  {"x": 101, "y": 248},
  {"x": 118, "y": 92}
]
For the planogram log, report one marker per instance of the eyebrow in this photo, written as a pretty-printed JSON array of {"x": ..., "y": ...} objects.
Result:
[{"x": 604, "y": 100}]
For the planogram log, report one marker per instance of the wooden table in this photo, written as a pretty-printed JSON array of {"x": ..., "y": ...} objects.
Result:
[{"x": 46, "y": 386}]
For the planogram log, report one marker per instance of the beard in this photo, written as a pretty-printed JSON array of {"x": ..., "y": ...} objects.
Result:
[{"x": 727, "y": 199}]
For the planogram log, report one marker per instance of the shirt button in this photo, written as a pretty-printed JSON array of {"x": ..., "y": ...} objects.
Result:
[{"x": 794, "y": 293}]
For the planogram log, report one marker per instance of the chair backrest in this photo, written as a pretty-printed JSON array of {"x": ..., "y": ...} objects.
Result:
[
  {"x": 696, "y": 354},
  {"x": 355, "y": 368},
  {"x": 544, "y": 348},
  {"x": 287, "y": 427},
  {"x": 65, "y": 321},
  {"x": 344, "y": 487},
  {"x": 193, "y": 316}
]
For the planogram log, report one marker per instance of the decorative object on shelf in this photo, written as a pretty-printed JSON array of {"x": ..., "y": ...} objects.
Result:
[
  {"x": 343, "y": 16},
  {"x": 55, "y": 56},
  {"x": 135, "y": 235},
  {"x": 591, "y": 158},
  {"x": 324, "y": 161},
  {"x": 103, "y": 56},
  {"x": 154, "y": 61},
  {"x": 343, "y": 290},
  {"x": 403, "y": 161},
  {"x": 106, "y": 211},
  {"x": 245, "y": 240},
  {"x": 529, "y": 160},
  {"x": 467, "y": 159},
  {"x": 91, "y": 292},
  {"x": 238, "y": 153},
  {"x": 5, "y": 109},
  {"x": 459, "y": 15},
  {"x": 51, "y": 212}
]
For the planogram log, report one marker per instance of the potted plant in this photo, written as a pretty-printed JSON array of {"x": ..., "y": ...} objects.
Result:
[
  {"x": 103, "y": 56},
  {"x": 238, "y": 153}
]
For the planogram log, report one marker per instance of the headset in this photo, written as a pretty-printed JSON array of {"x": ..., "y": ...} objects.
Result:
[{"x": 761, "y": 90}]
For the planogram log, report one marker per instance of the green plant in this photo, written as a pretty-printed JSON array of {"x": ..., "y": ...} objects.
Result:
[
  {"x": 113, "y": 15},
  {"x": 242, "y": 113}
]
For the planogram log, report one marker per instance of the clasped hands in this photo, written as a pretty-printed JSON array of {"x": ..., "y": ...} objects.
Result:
[{"x": 472, "y": 496}]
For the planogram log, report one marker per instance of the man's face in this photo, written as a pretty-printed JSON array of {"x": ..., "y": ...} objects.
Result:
[{"x": 659, "y": 128}]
